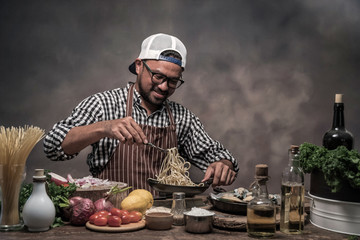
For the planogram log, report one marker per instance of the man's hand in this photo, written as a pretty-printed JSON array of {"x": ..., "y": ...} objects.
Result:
[
  {"x": 125, "y": 129},
  {"x": 222, "y": 172}
]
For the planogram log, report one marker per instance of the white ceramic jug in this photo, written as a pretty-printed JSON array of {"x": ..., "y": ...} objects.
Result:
[{"x": 39, "y": 211}]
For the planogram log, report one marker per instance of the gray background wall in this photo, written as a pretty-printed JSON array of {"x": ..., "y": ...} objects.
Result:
[{"x": 261, "y": 75}]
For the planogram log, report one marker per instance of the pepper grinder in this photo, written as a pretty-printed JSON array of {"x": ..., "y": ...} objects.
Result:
[
  {"x": 178, "y": 208},
  {"x": 39, "y": 210}
]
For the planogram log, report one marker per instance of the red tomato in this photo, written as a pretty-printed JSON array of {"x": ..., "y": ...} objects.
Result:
[
  {"x": 93, "y": 217},
  {"x": 101, "y": 221},
  {"x": 124, "y": 212},
  {"x": 115, "y": 212},
  {"x": 137, "y": 213},
  {"x": 135, "y": 216},
  {"x": 114, "y": 221},
  {"x": 103, "y": 213},
  {"x": 125, "y": 219}
]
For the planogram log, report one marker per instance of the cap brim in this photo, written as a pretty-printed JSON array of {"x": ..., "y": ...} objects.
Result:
[{"x": 132, "y": 68}]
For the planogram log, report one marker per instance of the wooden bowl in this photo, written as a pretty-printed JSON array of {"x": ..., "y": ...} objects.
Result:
[
  {"x": 158, "y": 220},
  {"x": 97, "y": 192}
]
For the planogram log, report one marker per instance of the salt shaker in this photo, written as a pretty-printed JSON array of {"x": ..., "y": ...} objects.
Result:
[
  {"x": 39, "y": 210},
  {"x": 178, "y": 208}
]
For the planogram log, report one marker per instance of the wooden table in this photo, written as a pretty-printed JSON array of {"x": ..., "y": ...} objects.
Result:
[
  {"x": 176, "y": 232},
  {"x": 69, "y": 232}
]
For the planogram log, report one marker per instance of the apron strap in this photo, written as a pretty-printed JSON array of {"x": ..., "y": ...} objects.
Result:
[
  {"x": 130, "y": 100},
  {"x": 172, "y": 122}
]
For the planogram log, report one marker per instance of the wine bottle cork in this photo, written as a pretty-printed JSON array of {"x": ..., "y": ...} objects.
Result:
[
  {"x": 261, "y": 171},
  {"x": 338, "y": 98}
]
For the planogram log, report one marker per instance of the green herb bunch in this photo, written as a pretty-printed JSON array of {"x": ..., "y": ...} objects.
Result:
[{"x": 338, "y": 166}]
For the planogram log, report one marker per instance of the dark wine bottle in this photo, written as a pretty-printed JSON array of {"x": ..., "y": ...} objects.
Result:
[{"x": 338, "y": 135}]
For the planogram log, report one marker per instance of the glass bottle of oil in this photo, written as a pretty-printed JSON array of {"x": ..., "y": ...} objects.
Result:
[
  {"x": 292, "y": 195},
  {"x": 261, "y": 210}
]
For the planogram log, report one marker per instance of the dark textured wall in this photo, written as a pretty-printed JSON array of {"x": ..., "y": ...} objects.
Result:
[{"x": 261, "y": 75}]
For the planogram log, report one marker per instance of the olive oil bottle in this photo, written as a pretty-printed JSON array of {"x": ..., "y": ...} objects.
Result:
[
  {"x": 261, "y": 210},
  {"x": 292, "y": 195}
]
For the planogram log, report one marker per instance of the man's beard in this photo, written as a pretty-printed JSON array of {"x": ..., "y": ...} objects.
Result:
[{"x": 146, "y": 95}]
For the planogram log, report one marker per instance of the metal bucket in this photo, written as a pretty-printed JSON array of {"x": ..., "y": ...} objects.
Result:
[
  {"x": 319, "y": 188},
  {"x": 335, "y": 215}
]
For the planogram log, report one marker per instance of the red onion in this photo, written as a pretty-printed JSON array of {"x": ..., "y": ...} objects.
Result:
[
  {"x": 82, "y": 211},
  {"x": 77, "y": 210},
  {"x": 103, "y": 204},
  {"x": 75, "y": 200},
  {"x": 70, "y": 178},
  {"x": 57, "y": 179}
]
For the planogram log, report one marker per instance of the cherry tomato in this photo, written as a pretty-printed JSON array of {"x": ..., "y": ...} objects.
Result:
[
  {"x": 115, "y": 212},
  {"x": 93, "y": 217},
  {"x": 103, "y": 213},
  {"x": 114, "y": 221},
  {"x": 124, "y": 212},
  {"x": 135, "y": 216},
  {"x": 101, "y": 221},
  {"x": 125, "y": 219}
]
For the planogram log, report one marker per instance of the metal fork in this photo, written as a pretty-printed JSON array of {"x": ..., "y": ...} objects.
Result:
[{"x": 154, "y": 146}]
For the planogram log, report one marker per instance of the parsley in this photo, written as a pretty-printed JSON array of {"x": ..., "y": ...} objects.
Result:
[
  {"x": 58, "y": 193},
  {"x": 25, "y": 193},
  {"x": 338, "y": 166}
]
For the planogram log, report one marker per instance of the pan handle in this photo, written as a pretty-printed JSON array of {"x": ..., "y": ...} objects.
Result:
[{"x": 209, "y": 181}]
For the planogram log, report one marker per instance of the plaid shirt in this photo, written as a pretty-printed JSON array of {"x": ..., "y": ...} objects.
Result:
[{"x": 194, "y": 144}]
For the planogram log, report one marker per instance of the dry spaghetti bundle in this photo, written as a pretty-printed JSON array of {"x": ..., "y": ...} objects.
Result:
[
  {"x": 174, "y": 170},
  {"x": 15, "y": 147}
]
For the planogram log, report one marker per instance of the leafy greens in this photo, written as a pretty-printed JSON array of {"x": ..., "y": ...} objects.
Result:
[{"x": 338, "y": 166}]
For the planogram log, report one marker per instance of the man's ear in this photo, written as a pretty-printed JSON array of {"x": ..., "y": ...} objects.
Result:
[{"x": 138, "y": 65}]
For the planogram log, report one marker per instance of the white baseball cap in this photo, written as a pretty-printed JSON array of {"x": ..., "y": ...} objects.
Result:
[{"x": 152, "y": 48}]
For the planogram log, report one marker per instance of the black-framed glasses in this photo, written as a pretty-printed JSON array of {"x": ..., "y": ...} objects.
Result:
[{"x": 159, "y": 78}]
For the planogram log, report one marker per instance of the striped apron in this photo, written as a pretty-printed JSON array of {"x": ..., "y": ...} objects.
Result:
[{"x": 133, "y": 163}]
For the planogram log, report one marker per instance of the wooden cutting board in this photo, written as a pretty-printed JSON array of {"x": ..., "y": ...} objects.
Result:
[
  {"x": 229, "y": 221},
  {"x": 233, "y": 222},
  {"x": 123, "y": 228}
]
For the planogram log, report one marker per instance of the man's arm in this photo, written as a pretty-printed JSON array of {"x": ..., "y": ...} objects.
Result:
[{"x": 125, "y": 129}]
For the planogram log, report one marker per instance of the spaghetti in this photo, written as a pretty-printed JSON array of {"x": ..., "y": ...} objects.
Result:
[
  {"x": 15, "y": 147},
  {"x": 174, "y": 170}
]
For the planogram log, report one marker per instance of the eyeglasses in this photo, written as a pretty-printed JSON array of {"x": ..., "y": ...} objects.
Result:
[{"x": 159, "y": 78}]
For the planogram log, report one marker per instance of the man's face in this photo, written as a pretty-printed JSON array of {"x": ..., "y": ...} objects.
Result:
[{"x": 153, "y": 95}]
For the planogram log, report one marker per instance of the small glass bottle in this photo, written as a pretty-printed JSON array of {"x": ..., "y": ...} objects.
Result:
[
  {"x": 178, "y": 208},
  {"x": 261, "y": 210},
  {"x": 292, "y": 195},
  {"x": 39, "y": 210}
]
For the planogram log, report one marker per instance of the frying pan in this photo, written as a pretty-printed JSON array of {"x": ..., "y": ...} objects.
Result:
[
  {"x": 229, "y": 207},
  {"x": 189, "y": 191}
]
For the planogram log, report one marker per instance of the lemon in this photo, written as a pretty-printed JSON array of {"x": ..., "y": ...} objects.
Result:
[
  {"x": 145, "y": 194},
  {"x": 134, "y": 203}
]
